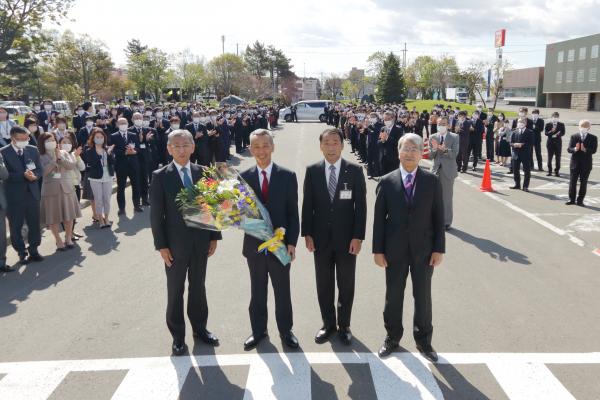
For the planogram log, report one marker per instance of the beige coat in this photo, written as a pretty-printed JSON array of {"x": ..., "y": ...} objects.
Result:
[{"x": 52, "y": 184}]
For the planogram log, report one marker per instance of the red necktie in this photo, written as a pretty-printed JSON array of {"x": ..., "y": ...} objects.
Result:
[{"x": 265, "y": 187}]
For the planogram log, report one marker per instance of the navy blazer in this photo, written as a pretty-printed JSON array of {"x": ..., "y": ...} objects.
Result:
[
  {"x": 120, "y": 144},
  {"x": 93, "y": 163},
  {"x": 282, "y": 204},
  {"x": 16, "y": 185},
  {"x": 582, "y": 159}
]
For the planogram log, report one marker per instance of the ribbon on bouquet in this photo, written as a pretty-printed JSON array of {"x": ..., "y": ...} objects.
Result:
[{"x": 274, "y": 243}]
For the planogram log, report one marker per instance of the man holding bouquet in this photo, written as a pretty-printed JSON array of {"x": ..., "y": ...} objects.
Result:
[
  {"x": 277, "y": 189},
  {"x": 185, "y": 250}
]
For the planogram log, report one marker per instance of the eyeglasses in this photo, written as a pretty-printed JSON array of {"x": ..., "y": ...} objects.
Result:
[
  {"x": 411, "y": 150},
  {"x": 182, "y": 147}
]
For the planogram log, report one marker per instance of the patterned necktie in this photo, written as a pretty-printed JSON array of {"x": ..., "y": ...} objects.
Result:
[
  {"x": 187, "y": 181},
  {"x": 265, "y": 186},
  {"x": 408, "y": 186},
  {"x": 332, "y": 185}
]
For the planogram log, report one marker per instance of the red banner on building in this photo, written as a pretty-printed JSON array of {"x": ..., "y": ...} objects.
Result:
[{"x": 499, "y": 38}]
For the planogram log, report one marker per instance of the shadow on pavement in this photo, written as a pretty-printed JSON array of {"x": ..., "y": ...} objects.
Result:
[{"x": 493, "y": 249}]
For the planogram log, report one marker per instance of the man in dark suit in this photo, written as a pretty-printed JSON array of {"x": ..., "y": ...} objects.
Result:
[
  {"x": 84, "y": 133},
  {"x": 44, "y": 115},
  {"x": 185, "y": 250},
  {"x": 198, "y": 130},
  {"x": 3, "y": 205},
  {"x": 582, "y": 147},
  {"x": 475, "y": 139},
  {"x": 554, "y": 130},
  {"x": 145, "y": 137},
  {"x": 388, "y": 141},
  {"x": 23, "y": 193},
  {"x": 537, "y": 128},
  {"x": 463, "y": 130},
  {"x": 277, "y": 189},
  {"x": 521, "y": 141},
  {"x": 79, "y": 118},
  {"x": 409, "y": 235},
  {"x": 127, "y": 146},
  {"x": 334, "y": 216},
  {"x": 489, "y": 122},
  {"x": 523, "y": 114}
]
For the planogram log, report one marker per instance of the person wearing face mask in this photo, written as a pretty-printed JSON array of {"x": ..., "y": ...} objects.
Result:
[
  {"x": 521, "y": 142},
  {"x": 161, "y": 125},
  {"x": 44, "y": 115},
  {"x": 84, "y": 133},
  {"x": 102, "y": 120},
  {"x": 554, "y": 131},
  {"x": 73, "y": 152},
  {"x": 523, "y": 114},
  {"x": 503, "y": 140},
  {"x": 388, "y": 141},
  {"x": 5, "y": 127},
  {"x": 214, "y": 141},
  {"x": 100, "y": 169},
  {"x": 127, "y": 147},
  {"x": 198, "y": 130},
  {"x": 224, "y": 136},
  {"x": 146, "y": 138},
  {"x": 58, "y": 199},
  {"x": 373, "y": 158},
  {"x": 61, "y": 128},
  {"x": 127, "y": 112},
  {"x": 582, "y": 146},
  {"x": 182, "y": 114},
  {"x": 463, "y": 130},
  {"x": 79, "y": 118},
  {"x": 443, "y": 149},
  {"x": 34, "y": 129},
  {"x": 489, "y": 122},
  {"x": 537, "y": 127},
  {"x": 475, "y": 139}
]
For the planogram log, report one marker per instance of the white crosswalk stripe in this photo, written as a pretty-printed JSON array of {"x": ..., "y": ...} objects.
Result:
[{"x": 288, "y": 375}]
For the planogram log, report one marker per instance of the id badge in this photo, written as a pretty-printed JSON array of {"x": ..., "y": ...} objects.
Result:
[
  {"x": 56, "y": 175},
  {"x": 142, "y": 145},
  {"x": 31, "y": 166},
  {"x": 345, "y": 194}
]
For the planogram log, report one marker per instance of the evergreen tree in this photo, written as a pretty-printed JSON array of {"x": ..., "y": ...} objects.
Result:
[{"x": 390, "y": 82}]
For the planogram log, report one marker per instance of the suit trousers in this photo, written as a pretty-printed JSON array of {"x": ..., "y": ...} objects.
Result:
[
  {"x": 475, "y": 149},
  {"x": 27, "y": 212},
  {"x": 447, "y": 194},
  {"x": 395, "y": 279},
  {"x": 2, "y": 237},
  {"x": 132, "y": 172},
  {"x": 194, "y": 267},
  {"x": 554, "y": 151},
  {"x": 462, "y": 158},
  {"x": 581, "y": 173},
  {"x": 329, "y": 265},
  {"x": 489, "y": 146},
  {"x": 537, "y": 146},
  {"x": 516, "y": 163},
  {"x": 145, "y": 175},
  {"x": 261, "y": 267}
]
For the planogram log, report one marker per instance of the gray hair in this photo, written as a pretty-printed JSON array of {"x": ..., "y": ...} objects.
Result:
[
  {"x": 389, "y": 114},
  {"x": 413, "y": 138},
  {"x": 184, "y": 133},
  {"x": 262, "y": 133},
  {"x": 585, "y": 122}
]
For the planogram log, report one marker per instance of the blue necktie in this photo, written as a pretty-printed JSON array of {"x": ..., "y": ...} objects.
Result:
[{"x": 187, "y": 181}]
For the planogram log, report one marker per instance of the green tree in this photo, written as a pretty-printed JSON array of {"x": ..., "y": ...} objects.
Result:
[
  {"x": 350, "y": 89},
  {"x": 420, "y": 75},
  {"x": 257, "y": 60},
  {"x": 375, "y": 63},
  {"x": 472, "y": 79},
  {"x": 82, "y": 61},
  {"x": 225, "y": 73},
  {"x": 148, "y": 70},
  {"x": 390, "y": 83},
  {"x": 190, "y": 73}
]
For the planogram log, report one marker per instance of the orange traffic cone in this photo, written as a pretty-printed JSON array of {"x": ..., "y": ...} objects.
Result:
[
  {"x": 486, "y": 182},
  {"x": 426, "y": 149}
]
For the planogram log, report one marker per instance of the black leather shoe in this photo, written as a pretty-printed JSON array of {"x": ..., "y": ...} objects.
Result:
[
  {"x": 557, "y": 174},
  {"x": 323, "y": 335},
  {"x": 448, "y": 227},
  {"x": 289, "y": 339},
  {"x": 570, "y": 203},
  {"x": 179, "y": 348},
  {"x": 526, "y": 189},
  {"x": 23, "y": 259},
  {"x": 207, "y": 337},
  {"x": 388, "y": 346},
  {"x": 345, "y": 336},
  {"x": 515, "y": 187},
  {"x": 145, "y": 203},
  {"x": 35, "y": 258},
  {"x": 138, "y": 209},
  {"x": 121, "y": 211},
  {"x": 428, "y": 352},
  {"x": 253, "y": 341},
  {"x": 549, "y": 174},
  {"x": 580, "y": 204},
  {"x": 6, "y": 268}
]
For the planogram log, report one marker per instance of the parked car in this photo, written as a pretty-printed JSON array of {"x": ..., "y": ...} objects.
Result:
[
  {"x": 7, "y": 103},
  {"x": 17, "y": 113},
  {"x": 63, "y": 107},
  {"x": 306, "y": 110}
]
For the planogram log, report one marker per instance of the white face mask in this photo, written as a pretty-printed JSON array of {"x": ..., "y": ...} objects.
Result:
[
  {"x": 159, "y": 114},
  {"x": 137, "y": 122},
  {"x": 174, "y": 126},
  {"x": 554, "y": 120},
  {"x": 89, "y": 124},
  {"x": 520, "y": 125},
  {"x": 50, "y": 145},
  {"x": 148, "y": 113},
  {"x": 80, "y": 112},
  {"x": 102, "y": 111},
  {"x": 145, "y": 124},
  {"x": 501, "y": 118},
  {"x": 535, "y": 116},
  {"x": 36, "y": 108},
  {"x": 99, "y": 140},
  {"x": 521, "y": 114},
  {"x": 584, "y": 131},
  {"x": 204, "y": 119},
  {"x": 47, "y": 108},
  {"x": 442, "y": 129},
  {"x": 123, "y": 128},
  {"x": 62, "y": 127},
  {"x": 21, "y": 144},
  {"x": 66, "y": 147},
  {"x": 388, "y": 123},
  {"x": 196, "y": 120},
  {"x": 372, "y": 120}
]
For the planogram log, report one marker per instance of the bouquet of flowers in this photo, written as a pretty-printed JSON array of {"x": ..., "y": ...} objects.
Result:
[{"x": 221, "y": 200}]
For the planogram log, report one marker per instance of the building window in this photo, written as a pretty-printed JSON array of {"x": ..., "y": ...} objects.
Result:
[
  {"x": 593, "y": 72},
  {"x": 580, "y": 76},
  {"x": 594, "y": 52},
  {"x": 569, "y": 78},
  {"x": 561, "y": 56},
  {"x": 571, "y": 55},
  {"x": 559, "y": 77},
  {"x": 582, "y": 52}
]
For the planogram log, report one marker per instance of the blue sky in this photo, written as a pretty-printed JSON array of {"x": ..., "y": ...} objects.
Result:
[{"x": 323, "y": 37}]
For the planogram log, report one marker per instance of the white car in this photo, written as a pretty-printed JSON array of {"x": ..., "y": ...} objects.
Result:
[{"x": 306, "y": 110}]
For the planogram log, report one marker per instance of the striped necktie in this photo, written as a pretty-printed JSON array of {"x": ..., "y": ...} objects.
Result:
[{"x": 332, "y": 185}]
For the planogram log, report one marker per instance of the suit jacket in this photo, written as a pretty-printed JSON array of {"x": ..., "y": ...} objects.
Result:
[
  {"x": 120, "y": 144},
  {"x": 446, "y": 160},
  {"x": 538, "y": 127},
  {"x": 402, "y": 230},
  {"x": 16, "y": 185},
  {"x": 556, "y": 137},
  {"x": 390, "y": 146},
  {"x": 78, "y": 122},
  {"x": 282, "y": 204},
  {"x": 83, "y": 135},
  {"x": 168, "y": 227},
  {"x": 93, "y": 163},
  {"x": 44, "y": 119},
  {"x": 3, "y": 178},
  {"x": 463, "y": 130},
  {"x": 528, "y": 124},
  {"x": 526, "y": 137},
  {"x": 52, "y": 186},
  {"x": 582, "y": 159},
  {"x": 340, "y": 221}
]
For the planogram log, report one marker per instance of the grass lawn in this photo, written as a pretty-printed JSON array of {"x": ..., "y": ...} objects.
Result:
[{"x": 429, "y": 104}]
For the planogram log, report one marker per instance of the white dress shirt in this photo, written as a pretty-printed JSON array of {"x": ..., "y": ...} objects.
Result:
[
  {"x": 337, "y": 165},
  {"x": 189, "y": 171},
  {"x": 260, "y": 175}
]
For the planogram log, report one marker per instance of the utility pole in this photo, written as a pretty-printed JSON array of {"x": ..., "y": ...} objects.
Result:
[
  {"x": 237, "y": 49},
  {"x": 223, "y": 43},
  {"x": 404, "y": 56}
]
